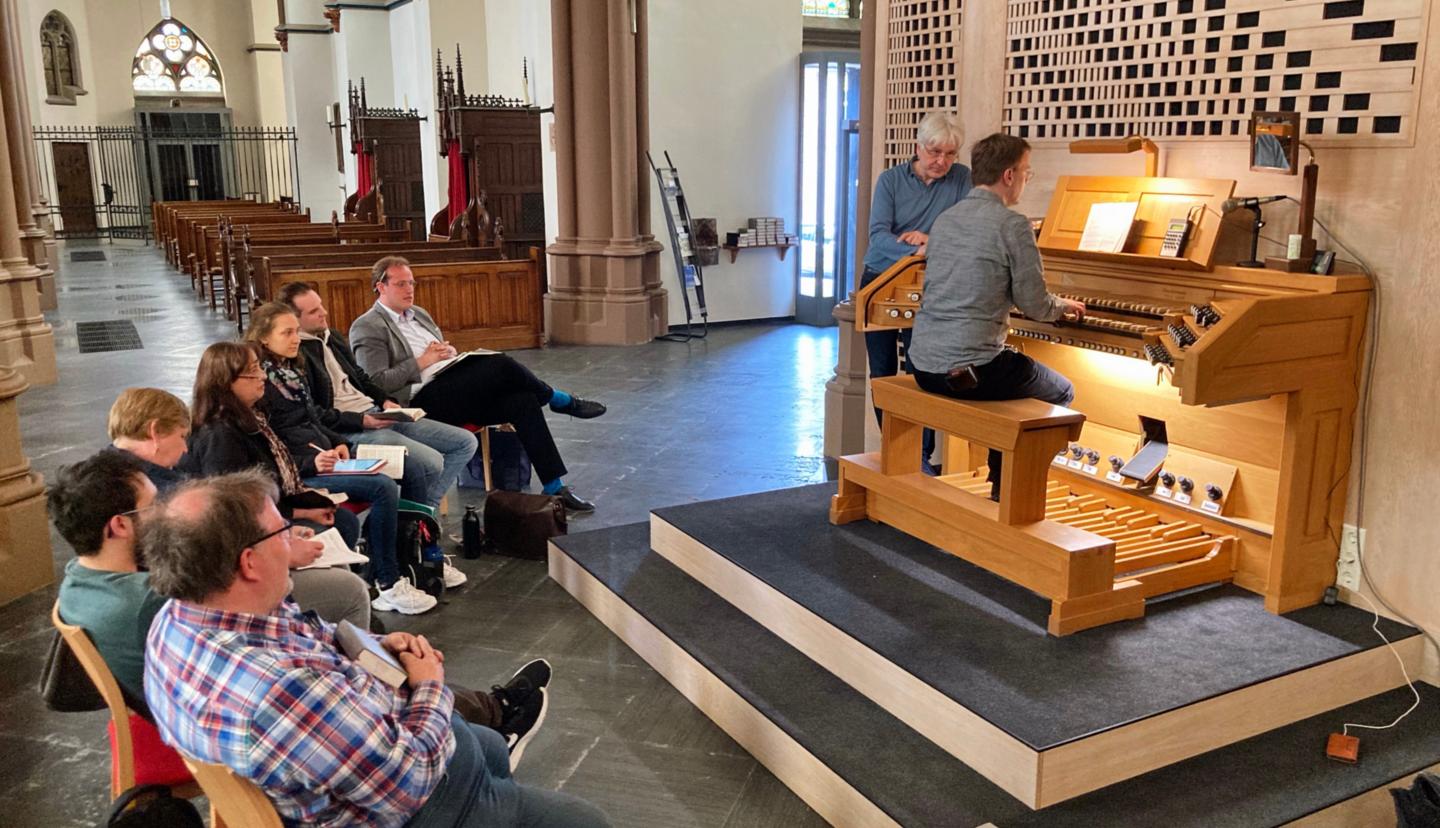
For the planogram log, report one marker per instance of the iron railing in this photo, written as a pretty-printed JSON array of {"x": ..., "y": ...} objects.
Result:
[{"x": 100, "y": 180}]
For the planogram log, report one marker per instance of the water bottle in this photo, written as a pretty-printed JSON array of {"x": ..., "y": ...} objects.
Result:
[{"x": 470, "y": 536}]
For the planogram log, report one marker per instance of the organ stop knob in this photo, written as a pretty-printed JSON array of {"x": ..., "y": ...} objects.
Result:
[
  {"x": 1116, "y": 462},
  {"x": 1093, "y": 456},
  {"x": 1214, "y": 492},
  {"x": 1077, "y": 452},
  {"x": 1168, "y": 479},
  {"x": 1187, "y": 485}
]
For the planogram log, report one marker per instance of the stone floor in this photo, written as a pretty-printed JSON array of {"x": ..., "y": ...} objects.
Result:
[{"x": 740, "y": 412}]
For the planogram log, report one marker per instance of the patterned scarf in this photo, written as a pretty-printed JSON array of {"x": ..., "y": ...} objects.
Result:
[
  {"x": 287, "y": 380},
  {"x": 290, "y": 482}
]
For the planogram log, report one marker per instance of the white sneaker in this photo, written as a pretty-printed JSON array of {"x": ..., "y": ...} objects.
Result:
[
  {"x": 403, "y": 598},
  {"x": 453, "y": 577}
]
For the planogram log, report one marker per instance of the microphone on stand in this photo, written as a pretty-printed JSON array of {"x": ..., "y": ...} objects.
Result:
[{"x": 1237, "y": 203}]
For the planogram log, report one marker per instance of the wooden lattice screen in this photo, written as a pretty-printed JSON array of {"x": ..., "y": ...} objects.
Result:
[
  {"x": 1187, "y": 69},
  {"x": 922, "y": 43}
]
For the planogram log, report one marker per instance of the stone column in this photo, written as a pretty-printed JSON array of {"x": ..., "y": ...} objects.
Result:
[
  {"x": 24, "y": 536},
  {"x": 604, "y": 265},
  {"x": 26, "y": 342},
  {"x": 845, "y": 409},
  {"x": 33, "y": 237}
]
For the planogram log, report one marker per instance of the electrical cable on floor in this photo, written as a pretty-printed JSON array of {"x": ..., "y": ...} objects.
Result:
[{"x": 1370, "y": 359}]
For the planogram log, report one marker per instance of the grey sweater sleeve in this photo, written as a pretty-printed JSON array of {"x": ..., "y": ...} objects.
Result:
[{"x": 1027, "y": 274}]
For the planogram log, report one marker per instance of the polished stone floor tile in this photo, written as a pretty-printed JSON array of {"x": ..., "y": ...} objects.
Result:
[{"x": 740, "y": 412}]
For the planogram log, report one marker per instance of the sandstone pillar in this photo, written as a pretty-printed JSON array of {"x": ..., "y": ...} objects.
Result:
[
  {"x": 39, "y": 246},
  {"x": 24, "y": 536},
  {"x": 27, "y": 344},
  {"x": 845, "y": 409},
  {"x": 604, "y": 265}
]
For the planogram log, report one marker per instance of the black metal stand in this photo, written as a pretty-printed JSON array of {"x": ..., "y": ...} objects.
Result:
[
  {"x": 1254, "y": 260},
  {"x": 677, "y": 216}
]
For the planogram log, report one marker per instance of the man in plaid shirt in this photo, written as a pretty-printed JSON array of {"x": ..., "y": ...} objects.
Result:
[{"x": 236, "y": 675}]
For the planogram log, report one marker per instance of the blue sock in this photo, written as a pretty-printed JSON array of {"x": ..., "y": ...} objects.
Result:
[
  {"x": 560, "y": 400},
  {"x": 553, "y": 487}
]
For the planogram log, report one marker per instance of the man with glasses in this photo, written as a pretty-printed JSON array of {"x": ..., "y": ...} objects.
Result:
[
  {"x": 98, "y": 506},
  {"x": 982, "y": 261},
  {"x": 236, "y": 675},
  {"x": 400, "y": 347}
]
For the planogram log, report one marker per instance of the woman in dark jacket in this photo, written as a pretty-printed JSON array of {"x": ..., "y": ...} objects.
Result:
[
  {"x": 227, "y": 436},
  {"x": 231, "y": 432},
  {"x": 275, "y": 332}
]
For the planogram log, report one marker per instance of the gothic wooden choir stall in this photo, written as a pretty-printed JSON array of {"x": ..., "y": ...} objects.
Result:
[
  {"x": 390, "y": 182},
  {"x": 1243, "y": 379},
  {"x": 492, "y": 146}
]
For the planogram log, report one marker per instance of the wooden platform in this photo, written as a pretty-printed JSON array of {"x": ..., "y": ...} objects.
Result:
[{"x": 797, "y": 691}]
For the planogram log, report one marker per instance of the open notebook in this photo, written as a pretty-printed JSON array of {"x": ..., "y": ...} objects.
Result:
[
  {"x": 394, "y": 457},
  {"x": 336, "y": 553}
]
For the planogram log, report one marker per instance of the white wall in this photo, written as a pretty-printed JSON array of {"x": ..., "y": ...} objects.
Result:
[
  {"x": 362, "y": 50},
  {"x": 725, "y": 101},
  {"x": 269, "y": 74},
  {"x": 309, "y": 90},
  {"x": 413, "y": 82},
  {"x": 518, "y": 33}
]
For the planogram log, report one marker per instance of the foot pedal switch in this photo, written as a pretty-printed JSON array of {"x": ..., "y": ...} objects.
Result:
[{"x": 1343, "y": 748}]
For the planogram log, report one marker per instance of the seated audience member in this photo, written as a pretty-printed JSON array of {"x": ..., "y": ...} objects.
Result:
[
  {"x": 326, "y": 741},
  {"x": 152, "y": 425},
  {"x": 97, "y": 505},
  {"x": 338, "y": 383},
  {"x": 400, "y": 346},
  {"x": 232, "y": 434}
]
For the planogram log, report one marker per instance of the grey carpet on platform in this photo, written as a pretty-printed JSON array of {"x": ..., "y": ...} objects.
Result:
[
  {"x": 1267, "y": 780},
  {"x": 981, "y": 640}
]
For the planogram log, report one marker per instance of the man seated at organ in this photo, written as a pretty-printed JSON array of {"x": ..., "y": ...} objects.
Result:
[{"x": 982, "y": 259}]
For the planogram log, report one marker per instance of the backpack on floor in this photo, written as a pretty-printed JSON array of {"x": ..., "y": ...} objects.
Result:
[
  {"x": 417, "y": 547},
  {"x": 152, "y": 806},
  {"x": 520, "y": 525},
  {"x": 509, "y": 465}
]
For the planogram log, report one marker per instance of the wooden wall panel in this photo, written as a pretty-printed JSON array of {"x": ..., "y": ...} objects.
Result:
[
  {"x": 922, "y": 69},
  {"x": 1196, "y": 69}
]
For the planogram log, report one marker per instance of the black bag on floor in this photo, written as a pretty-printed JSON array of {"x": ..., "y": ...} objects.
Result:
[
  {"x": 152, "y": 806},
  {"x": 1419, "y": 804},
  {"x": 520, "y": 525},
  {"x": 417, "y": 547},
  {"x": 509, "y": 464}
]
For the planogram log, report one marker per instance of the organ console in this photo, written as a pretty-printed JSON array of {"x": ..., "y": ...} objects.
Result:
[{"x": 1253, "y": 371}]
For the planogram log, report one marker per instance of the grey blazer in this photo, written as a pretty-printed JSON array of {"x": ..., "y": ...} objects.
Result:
[{"x": 382, "y": 351}]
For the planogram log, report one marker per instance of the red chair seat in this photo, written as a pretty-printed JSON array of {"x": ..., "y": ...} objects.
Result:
[{"x": 156, "y": 763}]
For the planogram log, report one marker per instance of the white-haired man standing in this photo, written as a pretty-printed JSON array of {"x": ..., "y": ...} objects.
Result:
[{"x": 908, "y": 198}]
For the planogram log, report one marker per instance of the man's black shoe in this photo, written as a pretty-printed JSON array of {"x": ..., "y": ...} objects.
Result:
[
  {"x": 582, "y": 409},
  {"x": 572, "y": 501},
  {"x": 512, "y": 697},
  {"x": 519, "y": 730}
]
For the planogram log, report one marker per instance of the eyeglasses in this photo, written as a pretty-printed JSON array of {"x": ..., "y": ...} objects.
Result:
[
  {"x": 284, "y": 531},
  {"x": 1028, "y": 174},
  {"x": 409, "y": 283},
  {"x": 251, "y": 376}
]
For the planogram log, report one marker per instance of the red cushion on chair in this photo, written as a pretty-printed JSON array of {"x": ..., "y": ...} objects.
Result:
[
  {"x": 156, "y": 763},
  {"x": 356, "y": 506}
]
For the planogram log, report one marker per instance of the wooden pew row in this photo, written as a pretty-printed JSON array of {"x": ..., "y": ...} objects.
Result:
[
  {"x": 161, "y": 211},
  {"x": 171, "y": 232},
  {"x": 237, "y": 256},
  {"x": 185, "y": 242},
  {"x": 205, "y": 275},
  {"x": 490, "y": 304}
]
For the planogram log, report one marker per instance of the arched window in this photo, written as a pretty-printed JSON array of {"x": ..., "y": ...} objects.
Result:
[
  {"x": 61, "y": 58},
  {"x": 173, "y": 59}
]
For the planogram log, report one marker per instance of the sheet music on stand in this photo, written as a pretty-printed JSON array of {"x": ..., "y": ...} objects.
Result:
[{"x": 677, "y": 217}]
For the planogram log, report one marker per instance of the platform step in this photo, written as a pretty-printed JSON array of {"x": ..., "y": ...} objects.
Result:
[{"x": 857, "y": 764}]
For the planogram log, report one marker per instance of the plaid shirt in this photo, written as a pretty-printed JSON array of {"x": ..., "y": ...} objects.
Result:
[{"x": 273, "y": 698}]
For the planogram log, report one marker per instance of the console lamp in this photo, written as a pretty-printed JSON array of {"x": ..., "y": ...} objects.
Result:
[{"x": 1121, "y": 146}]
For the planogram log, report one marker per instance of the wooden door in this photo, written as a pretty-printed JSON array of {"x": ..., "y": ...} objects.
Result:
[
  {"x": 399, "y": 168},
  {"x": 75, "y": 188},
  {"x": 505, "y": 163}
]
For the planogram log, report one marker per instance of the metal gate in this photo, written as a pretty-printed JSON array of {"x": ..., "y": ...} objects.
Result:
[{"x": 100, "y": 180}]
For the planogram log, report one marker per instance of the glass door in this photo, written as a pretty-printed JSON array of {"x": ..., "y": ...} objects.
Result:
[{"x": 829, "y": 155}]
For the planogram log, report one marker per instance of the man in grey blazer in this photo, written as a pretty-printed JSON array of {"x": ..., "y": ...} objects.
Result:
[{"x": 401, "y": 348}]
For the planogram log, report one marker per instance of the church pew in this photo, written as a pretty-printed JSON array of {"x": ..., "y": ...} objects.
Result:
[
  {"x": 189, "y": 228},
  {"x": 162, "y": 213},
  {"x": 205, "y": 273},
  {"x": 174, "y": 222},
  {"x": 477, "y": 304}
]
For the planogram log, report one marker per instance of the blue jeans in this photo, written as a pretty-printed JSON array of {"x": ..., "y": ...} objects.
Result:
[
  {"x": 477, "y": 790},
  {"x": 883, "y": 353},
  {"x": 384, "y": 498},
  {"x": 436, "y": 454},
  {"x": 1009, "y": 376}
]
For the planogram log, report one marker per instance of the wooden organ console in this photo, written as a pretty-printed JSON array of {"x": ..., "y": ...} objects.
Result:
[{"x": 1254, "y": 372}]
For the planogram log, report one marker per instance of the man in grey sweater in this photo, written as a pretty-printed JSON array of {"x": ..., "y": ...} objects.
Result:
[{"x": 982, "y": 260}]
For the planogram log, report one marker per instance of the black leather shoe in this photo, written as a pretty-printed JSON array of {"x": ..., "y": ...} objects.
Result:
[
  {"x": 582, "y": 409},
  {"x": 572, "y": 501}
]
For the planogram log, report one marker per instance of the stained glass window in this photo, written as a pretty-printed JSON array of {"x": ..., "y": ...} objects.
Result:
[
  {"x": 171, "y": 59},
  {"x": 825, "y": 8}
]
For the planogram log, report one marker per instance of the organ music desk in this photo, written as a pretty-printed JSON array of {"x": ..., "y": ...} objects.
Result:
[{"x": 1255, "y": 373}]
